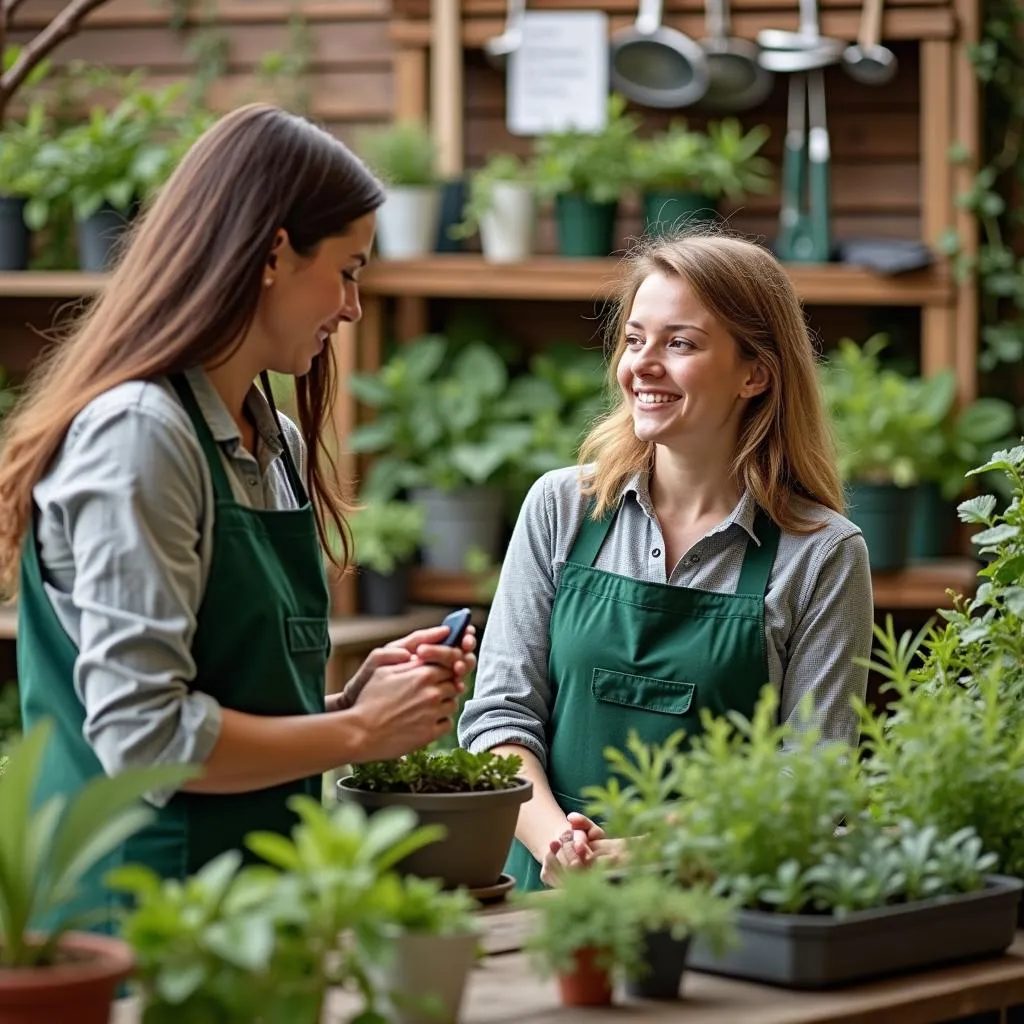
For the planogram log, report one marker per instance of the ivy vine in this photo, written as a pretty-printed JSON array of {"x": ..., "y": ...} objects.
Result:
[{"x": 995, "y": 194}]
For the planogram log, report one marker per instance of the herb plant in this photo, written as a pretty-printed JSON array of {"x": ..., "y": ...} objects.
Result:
[
  {"x": 593, "y": 910},
  {"x": 447, "y": 771},
  {"x": 403, "y": 154},
  {"x": 595, "y": 165},
  {"x": 387, "y": 534},
  {"x": 500, "y": 169},
  {"x": 236, "y": 944}
]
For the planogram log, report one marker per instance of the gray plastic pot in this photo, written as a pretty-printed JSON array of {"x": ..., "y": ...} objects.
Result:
[
  {"x": 458, "y": 521},
  {"x": 480, "y": 828},
  {"x": 819, "y": 951},
  {"x": 665, "y": 957},
  {"x": 426, "y": 977}
]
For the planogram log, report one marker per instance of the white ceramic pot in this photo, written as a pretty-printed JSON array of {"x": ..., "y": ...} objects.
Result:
[
  {"x": 507, "y": 229},
  {"x": 407, "y": 222},
  {"x": 428, "y": 977}
]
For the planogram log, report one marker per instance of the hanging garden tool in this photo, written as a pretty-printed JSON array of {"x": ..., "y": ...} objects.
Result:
[
  {"x": 804, "y": 216},
  {"x": 867, "y": 60},
  {"x": 736, "y": 81},
  {"x": 655, "y": 65}
]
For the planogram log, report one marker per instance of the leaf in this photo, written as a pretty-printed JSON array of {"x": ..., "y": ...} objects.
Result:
[
  {"x": 977, "y": 510},
  {"x": 480, "y": 368},
  {"x": 176, "y": 984},
  {"x": 1014, "y": 599},
  {"x": 369, "y": 389},
  {"x": 423, "y": 358},
  {"x": 274, "y": 849},
  {"x": 247, "y": 942},
  {"x": 996, "y": 535},
  {"x": 374, "y": 437}
]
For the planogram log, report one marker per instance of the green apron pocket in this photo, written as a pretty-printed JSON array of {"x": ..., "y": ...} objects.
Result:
[
  {"x": 642, "y": 692},
  {"x": 306, "y": 635}
]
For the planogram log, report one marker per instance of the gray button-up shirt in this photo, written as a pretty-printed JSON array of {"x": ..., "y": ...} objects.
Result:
[
  {"x": 124, "y": 522},
  {"x": 818, "y": 609}
]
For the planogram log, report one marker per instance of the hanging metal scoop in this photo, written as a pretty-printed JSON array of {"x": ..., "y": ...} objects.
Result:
[
  {"x": 736, "y": 81},
  {"x": 867, "y": 60},
  {"x": 499, "y": 48}
]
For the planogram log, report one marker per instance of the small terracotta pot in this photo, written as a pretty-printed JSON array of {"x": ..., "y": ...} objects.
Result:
[
  {"x": 588, "y": 984},
  {"x": 81, "y": 989}
]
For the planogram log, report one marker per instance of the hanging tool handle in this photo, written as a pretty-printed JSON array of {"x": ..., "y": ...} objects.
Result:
[
  {"x": 794, "y": 160},
  {"x": 717, "y": 21},
  {"x": 870, "y": 25},
  {"x": 819, "y": 160},
  {"x": 648, "y": 18}
]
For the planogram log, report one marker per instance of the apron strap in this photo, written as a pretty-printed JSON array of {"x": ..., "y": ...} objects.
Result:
[
  {"x": 759, "y": 558},
  {"x": 221, "y": 487},
  {"x": 291, "y": 470},
  {"x": 590, "y": 537}
]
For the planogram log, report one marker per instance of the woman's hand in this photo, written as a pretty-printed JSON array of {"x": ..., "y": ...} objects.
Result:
[
  {"x": 579, "y": 846},
  {"x": 420, "y": 647}
]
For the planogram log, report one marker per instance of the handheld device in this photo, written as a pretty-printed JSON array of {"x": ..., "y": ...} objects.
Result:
[{"x": 457, "y": 622}]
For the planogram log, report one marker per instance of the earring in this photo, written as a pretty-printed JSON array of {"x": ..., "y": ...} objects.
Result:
[{"x": 268, "y": 281}]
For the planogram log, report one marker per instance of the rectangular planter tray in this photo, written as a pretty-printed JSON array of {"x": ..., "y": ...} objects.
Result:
[{"x": 811, "y": 951}]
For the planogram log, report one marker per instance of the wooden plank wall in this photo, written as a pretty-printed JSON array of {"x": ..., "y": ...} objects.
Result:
[{"x": 350, "y": 79}]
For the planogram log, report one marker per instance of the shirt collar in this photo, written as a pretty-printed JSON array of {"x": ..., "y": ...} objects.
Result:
[
  {"x": 221, "y": 423},
  {"x": 637, "y": 487}
]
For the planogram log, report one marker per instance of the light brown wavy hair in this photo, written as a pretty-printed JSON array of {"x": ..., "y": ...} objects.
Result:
[
  {"x": 185, "y": 292},
  {"x": 785, "y": 446}
]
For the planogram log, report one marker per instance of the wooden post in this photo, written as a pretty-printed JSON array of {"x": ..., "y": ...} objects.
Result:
[
  {"x": 446, "y": 85},
  {"x": 410, "y": 71},
  {"x": 938, "y": 322},
  {"x": 967, "y": 131}
]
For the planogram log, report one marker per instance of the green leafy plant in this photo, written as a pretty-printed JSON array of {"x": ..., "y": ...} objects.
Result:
[
  {"x": 446, "y": 771},
  {"x": 265, "y": 943},
  {"x": 20, "y": 146},
  {"x": 117, "y": 157},
  {"x": 402, "y": 154},
  {"x": 724, "y": 161},
  {"x": 440, "y": 422},
  {"x": 421, "y": 907},
  {"x": 387, "y": 534},
  {"x": 596, "y": 165},
  {"x": 612, "y": 914},
  {"x": 879, "y": 415},
  {"x": 502, "y": 168},
  {"x": 45, "y": 851}
]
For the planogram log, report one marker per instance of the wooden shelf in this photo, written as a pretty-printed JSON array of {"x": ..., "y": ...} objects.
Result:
[
  {"x": 550, "y": 278},
  {"x": 919, "y": 587},
  {"x": 558, "y": 278}
]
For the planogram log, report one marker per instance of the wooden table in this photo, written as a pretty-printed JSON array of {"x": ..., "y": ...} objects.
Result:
[{"x": 503, "y": 990}]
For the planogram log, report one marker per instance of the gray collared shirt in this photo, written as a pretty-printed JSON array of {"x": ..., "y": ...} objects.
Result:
[
  {"x": 818, "y": 608},
  {"x": 124, "y": 524}
]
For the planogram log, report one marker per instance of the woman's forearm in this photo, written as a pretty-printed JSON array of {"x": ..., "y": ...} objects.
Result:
[
  {"x": 540, "y": 818},
  {"x": 257, "y": 751}
]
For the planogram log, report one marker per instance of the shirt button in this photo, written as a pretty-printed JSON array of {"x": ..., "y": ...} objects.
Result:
[
  {"x": 251, "y": 481},
  {"x": 656, "y": 552}
]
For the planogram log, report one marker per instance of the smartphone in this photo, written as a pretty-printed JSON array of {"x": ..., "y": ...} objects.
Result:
[{"x": 456, "y": 622}]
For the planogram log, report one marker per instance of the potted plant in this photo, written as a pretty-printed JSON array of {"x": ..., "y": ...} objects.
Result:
[
  {"x": 404, "y": 156},
  {"x": 585, "y": 173},
  {"x": 501, "y": 207},
  {"x": 386, "y": 535},
  {"x": 55, "y": 973},
  {"x": 880, "y": 418},
  {"x": 436, "y": 934},
  {"x": 950, "y": 752},
  {"x": 965, "y": 437},
  {"x": 441, "y": 436},
  {"x": 683, "y": 174},
  {"x": 474, "y": 797},
  {"x": 755, "y": 805},
  {"x": 106, "y": 166},
  {"x": 20, "y": 146},
  {"x": 265, "y": 941}
]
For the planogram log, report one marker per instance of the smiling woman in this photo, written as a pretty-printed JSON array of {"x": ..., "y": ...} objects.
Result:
[
  {"x": 697, "y": 554},
  {"x": 166, "y": 525}
]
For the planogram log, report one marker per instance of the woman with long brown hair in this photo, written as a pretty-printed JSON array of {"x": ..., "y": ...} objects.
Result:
[
  {"x": 165, "y": 526},
  {"x": 698, "y": 555}
]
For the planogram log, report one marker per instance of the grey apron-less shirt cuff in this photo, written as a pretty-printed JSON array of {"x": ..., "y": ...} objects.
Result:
[
  {"x": 124, "y": 527},
  {"x": 818, "y": 609}
]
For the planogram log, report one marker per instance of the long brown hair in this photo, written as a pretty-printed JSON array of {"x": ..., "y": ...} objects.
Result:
[
  {"x": 785, "y": 443},
  {"x": 185, "y": 292}
]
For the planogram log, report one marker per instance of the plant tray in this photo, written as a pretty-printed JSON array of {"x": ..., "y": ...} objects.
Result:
[{"x": 805, "y": 951}]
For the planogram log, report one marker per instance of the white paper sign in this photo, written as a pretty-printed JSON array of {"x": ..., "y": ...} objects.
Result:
[{"x": 558, "y": 78}]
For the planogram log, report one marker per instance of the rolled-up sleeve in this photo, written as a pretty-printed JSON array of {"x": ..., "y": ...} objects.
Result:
[
  {"x": 129, "y": 492},
  {"x": 512, "y": 697},
  {"x": 834, "y": 631}
]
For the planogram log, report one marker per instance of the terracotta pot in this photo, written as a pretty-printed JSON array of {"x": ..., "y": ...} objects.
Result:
[
  {"x": 80, "y": 989},
  {"x": 588, "y": 984}
]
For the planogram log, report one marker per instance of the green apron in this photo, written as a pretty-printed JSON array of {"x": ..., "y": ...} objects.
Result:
[
  {"x": 626, "y": 654},
  {"x": 260, "y": 647}
]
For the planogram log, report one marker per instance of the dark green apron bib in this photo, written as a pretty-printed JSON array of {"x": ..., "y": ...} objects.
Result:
[
  {"x": 261, "y": 646},
  {"x": 631, "y": 655}
]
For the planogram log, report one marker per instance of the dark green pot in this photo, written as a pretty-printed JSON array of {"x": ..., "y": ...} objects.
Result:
[
  {"x": 883, "y": 512},
  {"x": 14, "y": 235},
  {"x": 98, "y": 238},
  {"x": 585, "y": 228},
  {"x": 931, "y": 524},
  {"x": 666, "y": 213}
]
